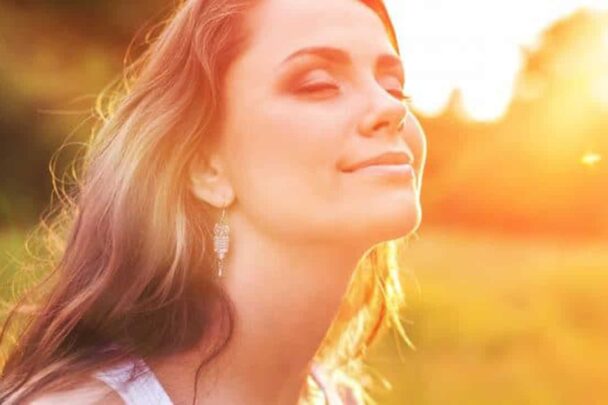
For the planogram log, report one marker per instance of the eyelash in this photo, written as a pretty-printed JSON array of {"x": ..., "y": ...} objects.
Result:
[
  {"x": 403, "y": 96},
  {"x": 319, "y": 87}
]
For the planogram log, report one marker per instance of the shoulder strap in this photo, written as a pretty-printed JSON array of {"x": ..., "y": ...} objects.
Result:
[{"x": 144, "y": 390}]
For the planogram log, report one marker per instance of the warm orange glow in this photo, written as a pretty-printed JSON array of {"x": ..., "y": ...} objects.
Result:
[
  {"x": 600, "y": 90},
  {"x": 591, "y": 159}
]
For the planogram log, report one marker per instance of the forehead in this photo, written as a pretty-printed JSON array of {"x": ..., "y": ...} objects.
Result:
[{"x": 281, "y": 27}]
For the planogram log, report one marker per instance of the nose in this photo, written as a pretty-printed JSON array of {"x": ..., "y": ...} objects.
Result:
[{"x": 384, "y": 114}]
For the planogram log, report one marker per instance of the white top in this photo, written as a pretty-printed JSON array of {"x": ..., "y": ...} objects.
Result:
[
  {"x": 144, "y": 390},
  {"x": 147, "y": 390}
]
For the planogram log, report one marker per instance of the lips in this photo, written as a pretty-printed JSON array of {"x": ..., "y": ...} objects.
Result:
[{"x": 387, "y": 158}]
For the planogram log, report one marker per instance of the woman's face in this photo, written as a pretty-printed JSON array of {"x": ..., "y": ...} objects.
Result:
[{"x": 294, "y": 122}]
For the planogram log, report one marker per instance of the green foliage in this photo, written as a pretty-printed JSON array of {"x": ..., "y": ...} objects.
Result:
[{"x": 55, "y": 58}]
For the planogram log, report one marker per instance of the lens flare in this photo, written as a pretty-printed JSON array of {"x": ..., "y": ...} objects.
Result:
[{"x": 591, "y": 159}]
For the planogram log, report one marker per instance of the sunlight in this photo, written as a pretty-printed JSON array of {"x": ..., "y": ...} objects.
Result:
[
  {"x": 591, "y": 159},
  {"x": 600, "y": 91},
  {"x": 473, "y": 45}
]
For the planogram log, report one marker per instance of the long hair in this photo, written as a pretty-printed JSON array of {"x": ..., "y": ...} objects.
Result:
[{"x": 130, "y": 268}]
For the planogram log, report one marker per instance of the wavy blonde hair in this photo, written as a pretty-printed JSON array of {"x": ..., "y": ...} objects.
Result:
[{"x": 128, "y": 271}]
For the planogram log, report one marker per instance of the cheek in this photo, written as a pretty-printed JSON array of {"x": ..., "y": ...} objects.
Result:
[
  {"x": 291, "y": 139},
  {"x": 284, "y": 165}
]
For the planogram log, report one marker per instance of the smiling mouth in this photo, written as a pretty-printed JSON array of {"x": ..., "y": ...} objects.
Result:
[
  {"x": 393, "y": 160},
  {"x": 386, "y": 169}
]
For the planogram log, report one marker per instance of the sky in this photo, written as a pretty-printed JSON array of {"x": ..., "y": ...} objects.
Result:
[{"x": 473, "y": 45}]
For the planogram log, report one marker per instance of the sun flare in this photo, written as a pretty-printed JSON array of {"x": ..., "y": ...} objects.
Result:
[
  {"x": 591, "y": 159},
  {"x": 473, "y": 45}
]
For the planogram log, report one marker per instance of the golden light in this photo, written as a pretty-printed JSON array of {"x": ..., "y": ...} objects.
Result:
[
  {"x": 600, "y": 91},
  {"x": 474, "y": 45},
  {"x": 591, "y": 159}
]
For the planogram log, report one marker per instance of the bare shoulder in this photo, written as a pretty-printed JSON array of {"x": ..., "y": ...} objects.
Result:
[{"x": 90, "y": 392}]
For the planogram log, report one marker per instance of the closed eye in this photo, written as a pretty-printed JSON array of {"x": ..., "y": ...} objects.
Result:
[
  {"x": 399, "y": 94},
  {"x": 318, "y": 87}
]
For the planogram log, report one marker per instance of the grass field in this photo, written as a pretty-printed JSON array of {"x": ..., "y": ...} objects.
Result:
[
  {"x": 501, "y": 320},
  {"x": 495, "y": 320}
]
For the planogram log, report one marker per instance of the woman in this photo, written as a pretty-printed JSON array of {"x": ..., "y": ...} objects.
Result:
[{"x": 232, "y": 242}]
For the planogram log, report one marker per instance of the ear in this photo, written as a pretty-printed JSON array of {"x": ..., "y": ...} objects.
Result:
[{"x": 209, "y": 181}]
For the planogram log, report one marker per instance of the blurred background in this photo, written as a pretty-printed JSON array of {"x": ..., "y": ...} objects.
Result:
[{"x": 507, "y": 282}]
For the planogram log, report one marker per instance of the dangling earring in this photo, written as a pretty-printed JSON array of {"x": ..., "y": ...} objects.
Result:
[{"x": 221, "y": 241}]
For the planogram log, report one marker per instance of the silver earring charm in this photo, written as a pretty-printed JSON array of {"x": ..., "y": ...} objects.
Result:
[{"x": 221, "y": 241}]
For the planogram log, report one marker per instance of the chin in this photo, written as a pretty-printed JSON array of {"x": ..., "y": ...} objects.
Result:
[
  {"x": 393, "y": 224},
  {"x": 400, "y": 226}
]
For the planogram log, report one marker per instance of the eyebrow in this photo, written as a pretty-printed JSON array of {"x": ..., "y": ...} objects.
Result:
[{"x": 339, "y": 56}]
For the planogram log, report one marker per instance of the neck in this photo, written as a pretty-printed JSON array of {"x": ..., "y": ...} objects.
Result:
[{"x": 285, "y": 296}]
